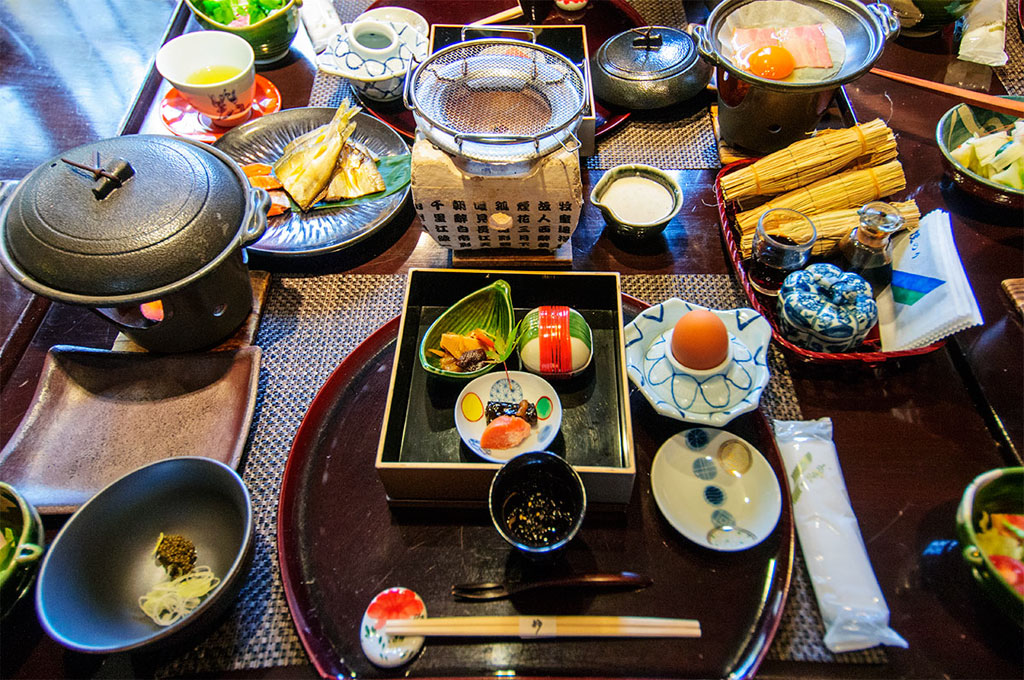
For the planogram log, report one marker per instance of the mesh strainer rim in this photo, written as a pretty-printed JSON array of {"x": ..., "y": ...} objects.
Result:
[{"x": 478, "y": 45}]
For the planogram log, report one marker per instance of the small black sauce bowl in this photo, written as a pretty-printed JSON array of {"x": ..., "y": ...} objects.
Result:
[{"x": 559, "y": 502}]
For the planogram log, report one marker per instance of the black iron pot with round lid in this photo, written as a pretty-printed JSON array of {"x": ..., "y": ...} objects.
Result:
[
  {"x": 649, "y": 67},
  {"x": 146, "y": 230}
]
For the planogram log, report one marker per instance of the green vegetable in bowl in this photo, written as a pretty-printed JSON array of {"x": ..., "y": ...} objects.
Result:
[
  {"x": 1002, "y": 540},
  {"x": 998, "y": 156},
  {"x": 238, "y": 12},
  {"x": 7, "y": 547}
]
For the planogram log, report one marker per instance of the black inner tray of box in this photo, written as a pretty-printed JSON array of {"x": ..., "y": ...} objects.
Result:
[{"x": 421, "y": 423}]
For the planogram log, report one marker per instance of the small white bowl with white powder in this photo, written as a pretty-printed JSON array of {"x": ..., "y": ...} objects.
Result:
[{"x": 637, "y": 200}]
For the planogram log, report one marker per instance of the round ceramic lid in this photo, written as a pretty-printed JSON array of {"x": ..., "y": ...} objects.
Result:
[
  {"x": 647, "y": 53},
  {"x": 162, "y": 209}
]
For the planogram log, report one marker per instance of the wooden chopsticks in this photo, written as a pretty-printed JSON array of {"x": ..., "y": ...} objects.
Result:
[
  {"x": 988, "y": 101},
  {"x": 504, "y": 15},
  {"x": 545, "y": 626}
]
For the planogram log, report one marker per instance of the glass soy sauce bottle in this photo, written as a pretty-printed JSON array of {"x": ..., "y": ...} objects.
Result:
[{"x": 867, "y": 249}]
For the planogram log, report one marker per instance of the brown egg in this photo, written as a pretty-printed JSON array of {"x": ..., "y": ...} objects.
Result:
[{"x": 700, "y": 340}]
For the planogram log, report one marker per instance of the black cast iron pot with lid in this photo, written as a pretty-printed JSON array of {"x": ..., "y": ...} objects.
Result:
[
  {"x": 648, "y": 68},
  {"x": 764, "y": 115},
  {"x": 146, "y": 230}
]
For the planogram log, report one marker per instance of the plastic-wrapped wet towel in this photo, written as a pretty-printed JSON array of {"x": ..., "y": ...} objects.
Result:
[
  {"x": 321, "y": 22},
  {"x": 984, "y": 33},
  {"x": 851, "y": 603}
]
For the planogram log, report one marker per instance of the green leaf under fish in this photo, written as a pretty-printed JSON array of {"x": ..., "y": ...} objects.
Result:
[{"x": 397, "y": 173}]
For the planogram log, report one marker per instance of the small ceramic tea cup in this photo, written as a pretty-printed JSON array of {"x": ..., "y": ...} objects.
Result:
[
  {"x": 372, "y": 39},
  {"x": 215, "y": 72}
]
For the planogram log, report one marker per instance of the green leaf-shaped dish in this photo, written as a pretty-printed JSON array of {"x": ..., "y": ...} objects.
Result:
[{"x": 489, "y": 309}]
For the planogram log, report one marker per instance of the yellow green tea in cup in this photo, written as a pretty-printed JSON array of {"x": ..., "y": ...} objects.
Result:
[{"x": 214, "y": 71}]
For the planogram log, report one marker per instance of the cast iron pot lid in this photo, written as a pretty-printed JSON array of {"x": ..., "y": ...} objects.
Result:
[
  {"x": 647, "y": 53},
  {"x": 166, "y": 208}
]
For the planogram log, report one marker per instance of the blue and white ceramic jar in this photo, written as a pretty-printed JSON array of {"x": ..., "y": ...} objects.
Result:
[{"x": 824, "y": 309}]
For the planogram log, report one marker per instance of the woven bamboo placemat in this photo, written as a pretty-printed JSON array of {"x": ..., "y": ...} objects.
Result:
[
  {"x": 309, "y": 325},
  {"x": 677, "y": 139},
  {"x": 1012, "y": 74}
]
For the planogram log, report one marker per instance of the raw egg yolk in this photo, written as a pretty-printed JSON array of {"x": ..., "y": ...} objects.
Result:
[
  {"x": 771, "y": 61},
  {"x": 699, "y": 340}
]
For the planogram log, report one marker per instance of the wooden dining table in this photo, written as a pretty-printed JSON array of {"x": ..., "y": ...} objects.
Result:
[{"x": 911, "y": 434}]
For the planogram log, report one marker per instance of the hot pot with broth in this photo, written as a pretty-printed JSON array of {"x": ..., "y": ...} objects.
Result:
[
  {"x": 779, "y": 62},
  {"x": 146, "y": 230}
]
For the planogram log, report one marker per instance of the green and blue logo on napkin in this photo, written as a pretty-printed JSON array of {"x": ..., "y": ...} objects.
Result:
[{"x": 908, "y": 288}]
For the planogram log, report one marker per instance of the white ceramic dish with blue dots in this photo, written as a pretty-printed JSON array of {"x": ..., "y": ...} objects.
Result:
[
  {"x": 711, "y": 397},
  {"x": 707, "y": 497},
  {"x": 373, "y": 78},
  {"x": 508, "y": 386}
]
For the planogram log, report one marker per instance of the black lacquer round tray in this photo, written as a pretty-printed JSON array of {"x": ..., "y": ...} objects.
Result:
[{"x": 340, "y": 543}]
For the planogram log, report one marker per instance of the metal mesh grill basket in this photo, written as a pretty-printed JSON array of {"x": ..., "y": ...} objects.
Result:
[{"x": 497, "y": 100}]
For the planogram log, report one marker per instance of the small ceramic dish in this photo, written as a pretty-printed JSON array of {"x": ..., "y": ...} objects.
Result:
[
  {"x": 489, "y": 309},
  {"x": 513, "y": 387},
  {"x": 637, "y": 201},
  {"x": 22, "y": 547},
  {"x": 537, "y": 502},
  {"x": 555, "y": 341},
  {"x": 996, "y": 491},
  {"x": 952, "y": 131},
  {"x": 708, "y": 499},
  {"x": 710, "y": 397},
  {"x": 398, "y": 15},
  {"x": 377, "y": 80}
]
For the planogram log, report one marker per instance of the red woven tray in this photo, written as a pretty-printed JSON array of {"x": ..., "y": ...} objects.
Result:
[{"x": 869, "y": 352}]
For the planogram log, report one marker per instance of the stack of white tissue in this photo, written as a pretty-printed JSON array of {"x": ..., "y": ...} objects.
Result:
[{"x": 930, "y": 297}]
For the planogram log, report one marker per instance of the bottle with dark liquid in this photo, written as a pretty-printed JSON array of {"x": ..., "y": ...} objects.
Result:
[{"x": 867, "y": 249}]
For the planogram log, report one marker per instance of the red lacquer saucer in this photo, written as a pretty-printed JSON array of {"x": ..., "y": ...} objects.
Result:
[{"x": 185, "y": 121}]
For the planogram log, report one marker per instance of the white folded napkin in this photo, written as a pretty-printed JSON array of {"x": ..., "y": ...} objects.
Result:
[
  {"x": 930, "y": 297},
  {"x": 321, "y": 22}
]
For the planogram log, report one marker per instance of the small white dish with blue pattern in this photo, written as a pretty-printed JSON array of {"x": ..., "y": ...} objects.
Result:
[
  {"x": 710, "y": 397},
  {"x": 509, "y": 387},
  {"x": 376, "y": 79},
  {"x": 706, "y": 498}
]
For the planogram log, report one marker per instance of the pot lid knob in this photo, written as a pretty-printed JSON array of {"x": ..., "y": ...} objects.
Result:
[
  {"x": 647, "y": 53},
  {"x": 91, "y": 223},
  {"x": 106, "y": 178}
]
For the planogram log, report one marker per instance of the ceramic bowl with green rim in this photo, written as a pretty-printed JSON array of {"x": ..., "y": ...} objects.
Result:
[
  {"x": 637, "y": 200},
  {"x": 958, "y": 125},
  {"x": 924, "y": 17},
  {"x": 555, "y": 342},
  {"x": 21, "y": 545},
  {"x": 270, "y": 35},
  {"x": 996, "y": 491},
  {"x": 488, "y": 309}
]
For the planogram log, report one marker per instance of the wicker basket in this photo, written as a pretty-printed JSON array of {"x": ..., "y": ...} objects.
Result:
[{"x": 869, "y": 352}]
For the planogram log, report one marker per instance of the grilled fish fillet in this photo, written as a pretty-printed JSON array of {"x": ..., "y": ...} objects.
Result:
[
  {"x": 355, "y": 175},
  {"x": 306, "y": 166}
]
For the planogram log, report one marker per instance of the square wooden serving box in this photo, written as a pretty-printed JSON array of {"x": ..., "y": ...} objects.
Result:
[{"x": 421, "y": 459}]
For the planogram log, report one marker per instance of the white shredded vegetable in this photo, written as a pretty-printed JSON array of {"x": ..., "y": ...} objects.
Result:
[{"x": 169, "y": 601}]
